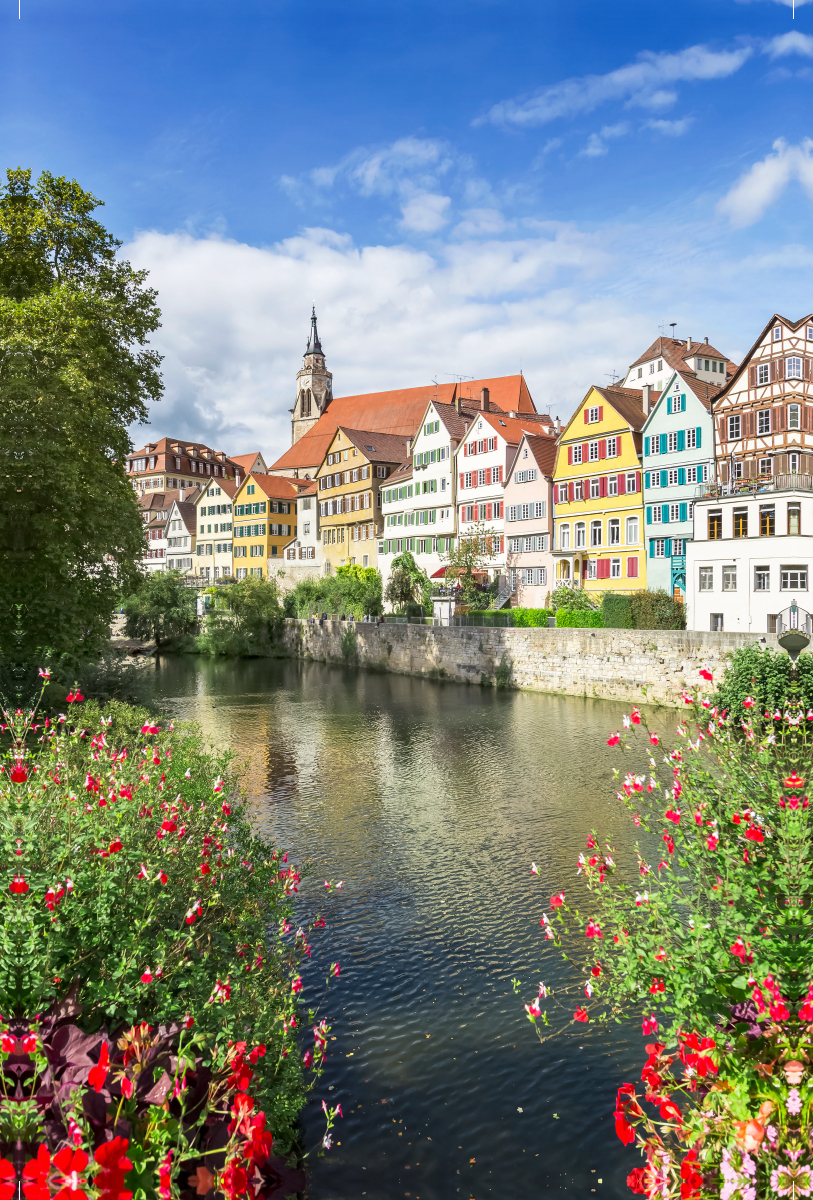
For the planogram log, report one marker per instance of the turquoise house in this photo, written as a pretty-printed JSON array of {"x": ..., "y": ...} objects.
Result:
[{"x": 678, "y": 456}]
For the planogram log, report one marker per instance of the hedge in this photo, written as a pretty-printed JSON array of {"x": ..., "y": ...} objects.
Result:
[
  {"x": 616, "y": 611},
  {"x": 575, "y": 619},
  {"x": 532, "y": 616}
]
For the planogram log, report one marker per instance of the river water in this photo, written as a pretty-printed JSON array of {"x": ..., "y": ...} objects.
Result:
[{"x": 430, "y": 801}]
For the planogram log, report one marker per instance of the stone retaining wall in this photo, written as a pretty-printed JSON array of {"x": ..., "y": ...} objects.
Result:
[{"x": 610, "y": 664}]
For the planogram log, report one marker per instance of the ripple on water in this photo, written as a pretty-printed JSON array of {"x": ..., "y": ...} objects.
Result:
[{"x": 430, "y": 801}]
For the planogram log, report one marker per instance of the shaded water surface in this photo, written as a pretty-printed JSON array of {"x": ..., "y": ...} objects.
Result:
[{"x": 430, "y": 801}]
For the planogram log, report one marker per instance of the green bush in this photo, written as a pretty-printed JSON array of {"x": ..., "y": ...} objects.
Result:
[
  {"x": 763, "y": 675},
  {"x": 573, "y": 599},
  {"x": 578, "y": 619},
  {"x": 243, "y": 621},
  {"x": 353, "y": 589},
  {"x": 531, "y": 616},
  {"x": 163, "y": 607},
  {"x": 616, "y": 611},
  {"x": 656, "y": 609}
]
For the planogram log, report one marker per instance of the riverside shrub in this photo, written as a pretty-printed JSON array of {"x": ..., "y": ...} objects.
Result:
[
  {"x": 575, "y": 618},
  {"x": 149, "y": 968},
  {"x": 706, "y": 941},
  {"x": 763, "y": 675},
  {"x": 531, "y": 617},
  {"x": 616, "y": 611}
]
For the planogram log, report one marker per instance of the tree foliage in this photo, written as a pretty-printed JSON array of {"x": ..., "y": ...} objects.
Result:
[
  {"x": 162, "y": 607},
  {"x": 353, "y": 589},
  {"x": 243, "y": 619},
  {"x": 74, "y": 374},
  {"x": 408, "y": 584}
]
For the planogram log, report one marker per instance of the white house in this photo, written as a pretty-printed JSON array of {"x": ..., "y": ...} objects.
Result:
[
  {"x": 303, "y": 556},
  {"x": 214, "y": 530},
  {"x": 700, "y": 359},
  {"x": 418, "y": 503},
  {"x": 751, "y": 555},
  {"x": 181, "y": 529},
  {"x": 529, "y": 520}
]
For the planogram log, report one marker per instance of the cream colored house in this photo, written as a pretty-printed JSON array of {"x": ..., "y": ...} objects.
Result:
[{"x": 213, "y": 553}]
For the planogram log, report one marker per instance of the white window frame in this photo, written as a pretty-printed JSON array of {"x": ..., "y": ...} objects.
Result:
[
  {"x": 734, "y": 427},
  {"x": 631, "y": 530},
  {"x": 595, "y": 533},
  {"x": 615, "y": 568},
  {"x": 593, "y": 414},
  {"x": 794, "y": 415},
  {"x": 580, "y": 535},
  {"x": 763, "y": 422},
  {"x": 592, "y": 451},
  {"x": 577, "y": 454},
  {"x": 705, "y": 579},
  {"x": 729, "y": 577},
  {"x": 762, "y": 579},
  {"x": 763, "y": 374},
  {"x": 793, "y": 367},
  {"x": 793, "y": 579},
  {"x": 659, "y": 548}
]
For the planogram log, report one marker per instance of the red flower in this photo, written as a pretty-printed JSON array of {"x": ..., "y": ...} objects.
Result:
[
  {"x": 656, "y": 986},
  {"x": 70, "y": 1164},
  {"x": 19, "y": 887},
  {"x": 635, "y": 1181},
  {"x": 613, "y": 740},
  {"x": 580, "y": 1015},
  {"x": 8, "y": 1180},
  {"x": 18, "y": 775},
  {"x": 626, "y": 1106},
  {"x": 742, "y": 951},
  {"x": 706, "y": 674},
  {"x": 670, "y": 1111},
  {"x": 35, "y": 1176},
  {"x": 691, "y": 1180},
  {"x": 7, "y": 1043},
  {"x": 754, "y": 834},
  {"x": 233, "y": 1180},
  {"x": 113, "y": 1166},
  {"x": 592, "y": 930},
  {"x": 307, "y": 1058},
  {"x": 649, "y": 1025},
  {"x": 116, "y": 846},
  {"x": 74, "y": 698},
  {"x": 205, "y": 869},
  {"x": 557, "y": 901},
  {"x": 635, "y": 717},
  {"x": 147, "y": 976},
  {"x": 98, "y": 1074}
]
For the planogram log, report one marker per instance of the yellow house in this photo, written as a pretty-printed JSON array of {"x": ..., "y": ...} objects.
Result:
[
  {"x": 264, "y": 521},
  {"x": 598, "y": 495},
  {"x": 356, "y": 466}
]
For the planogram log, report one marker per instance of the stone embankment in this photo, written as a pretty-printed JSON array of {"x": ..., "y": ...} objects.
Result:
[{"x": 652, "y": 666}]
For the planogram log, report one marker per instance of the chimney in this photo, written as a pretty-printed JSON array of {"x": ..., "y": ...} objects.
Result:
[
  {"x": 707, "y": 341},
  {"x": 484, "y": 399},
  {"x": 688, "y": 344},
  {"x": 647, "y": 399},
  {"x": 457, "y": 403},
  {"x": 557, "y": 425},
  {"x": 409, "y": 446}
]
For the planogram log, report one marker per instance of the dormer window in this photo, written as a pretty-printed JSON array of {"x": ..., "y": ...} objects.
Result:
[{"x": 777, "y": 333}]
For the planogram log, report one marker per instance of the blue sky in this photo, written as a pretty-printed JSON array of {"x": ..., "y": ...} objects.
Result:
[{"x": 468, "y": 188}]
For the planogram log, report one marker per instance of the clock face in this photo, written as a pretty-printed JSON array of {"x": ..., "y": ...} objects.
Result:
[{"x": 306, "y": 383}]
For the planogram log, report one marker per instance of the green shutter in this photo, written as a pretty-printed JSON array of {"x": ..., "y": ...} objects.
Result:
[
  {"x": 663, "y": 443},
  {"x": 681, "y": 475},
  {"x": 668, "y": 404},
  {"x": 646, "y": 479},
  {"x": 683, "y": 402},
  {"x": 651, "y": 547},
  {"x": 664, "y": 478},
  {"x": 698, "y": 431},
  {"x": 665, "y": 514},
  {"x": 646, "y": 446},
  {"x": 681, "y": 439},
  {"x": 649, "y": 514},
  {"x": 684, "y": 512}
]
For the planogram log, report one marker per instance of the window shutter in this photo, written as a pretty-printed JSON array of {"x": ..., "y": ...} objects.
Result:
[
  {"x": 637, "y": 481},
  {"x": 622, "y": 484},
  {"x": 681, "y": 475},
  {"x": 806, "y": 368},
  {"x": 488, "y": 476},
  {"x": 488, "y": 512},
  {"x": 632, "y": 568},
  {"x": 461, "y": 478},
  {"x": 697, "y": 433},
  {"x": 496, "y": 474},
  {"x": 585, "y": 452},
  {"x": 722, "y": 429},
  {"x": 570, "y": 456},
  {"x": 602, "y": 448},
  {"x": 684, "y": 512},
  {"x": 668, "y": 404},
  {"x": 651, "y": 547},
  {"x": 465, "y": 449},
  {"x": 601, "y": 412},
  {"x": 602, "y": 485},
  {"x": 665, "y": 514},
  {"x": 646, "y": 447},
  {"x": 586, "y": 416},
  {"x": 668, "y": 548},
  {"x": 570, "y": 492},
  {"x": 586, "y": 489},
  {"x": 778, "y": 418},
  {"x": 772, "y": 371},
  {"x": 646, "y": 480},
  {"x": 780, "y": 368},
  {"x": 649, "y": 514},
  {"x": 663, "y": 443},
  {"x": 752, "y": 377},
  {"x": 681, "y": 439},
  {"x": 664, "y": 481}
]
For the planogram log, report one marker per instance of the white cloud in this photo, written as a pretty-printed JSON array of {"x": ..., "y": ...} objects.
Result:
[
  {"x": 425, "y": 212},
  {"x": 669, "y": 128},
  {"x": 790, "y": 43},
  {"x": 480, "y": 222},
  {"x": 597, "y": 142},
  {"x": 762, "y": 185},
  {"x": 644, "y": 82}
]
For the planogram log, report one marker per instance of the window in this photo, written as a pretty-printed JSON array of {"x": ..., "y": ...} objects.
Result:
[
  {"x": 614, "y": 534},
  {"x": 563, "y": 493},
  {"x": 381, "y": 472},
  {"x": 564, "y": 537},
  {"x": 765, "y": 466},
  {"x": 715, "y": 525},
  {"x": 671, "y": 441},
  {"x": 716, "y": 623},
  {"x": 764, "y": 421},
  {"x": 250, "y": 490},
  {"x": 652, "y": 368},
  {"x": 706, "y": 579},
  {"x": 659, "y": 548},
  {"x": 793, "y": 416},
  {"x": 640, "y": 372},
  {"x": 595, "y": 489},
  {"x": 481, "y": 478},
  {"x": 578, "y": 490},
  {"x": 729, "y": 579},
  {"x": 767, "y": 520},
  {"x": 592, "y": 451},
  {"x": 631, "y": 482},
  {"x": 777, "y": 333},
  {"x": 632, "y": 531},
  {"x": 763, "y": 374},
  {"x": 660, "y": 364},
  {"x": 794, "y": 519},
  {"x": 657, "y": 514},
  {"x": 734, "y": 427},
  {"x": 577, "y": 454},
  {"x": 736, "y": 470},
  {"x": 672, "y": 477},
  {"x": 615, "y": 568},
  {"x": 793, "y": 464},
  {"x": 612, "y": 447},
  {"x": 595, "y": 533},
  {"x": 793, "y": 579},
  {"x": 581, "y": 534},
  {"x": 740, "y": 522},
  {"x": 678, "y": 546},
  {"x": 612, "y": 485},
  {"x": 793, "y": 368},
  {"x": 762, "y": 579},
  {"x": 593, "y": 415}
]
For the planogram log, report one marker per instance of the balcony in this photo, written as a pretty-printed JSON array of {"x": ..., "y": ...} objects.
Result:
[{"x": 744, "y": 488}]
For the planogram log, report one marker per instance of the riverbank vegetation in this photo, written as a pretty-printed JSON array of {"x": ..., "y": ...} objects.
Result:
[
  {"x": 705, "y": 942},
  {"x": 149, "y": 967}
]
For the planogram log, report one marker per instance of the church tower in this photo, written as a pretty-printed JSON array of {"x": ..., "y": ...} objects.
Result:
[{"x": 314, "y": 387}]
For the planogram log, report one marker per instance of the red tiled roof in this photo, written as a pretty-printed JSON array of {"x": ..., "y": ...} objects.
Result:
[
  {"x": 511, "y": 428},
  {"x": 676, "y": 352},
  {"x": 544, "y": 451},
  {"x": 246, "y": 461},
  {"x": 278, "y": 487},
  {"x": 376, "y": 446},
  {"x": 398, "y": 412}
]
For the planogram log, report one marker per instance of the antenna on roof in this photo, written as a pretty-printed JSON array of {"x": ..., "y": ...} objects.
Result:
[
  {"x": 611, "y": 375},
  {"x": 672, "y": 326},
  {"x": 436, "y": 388}
]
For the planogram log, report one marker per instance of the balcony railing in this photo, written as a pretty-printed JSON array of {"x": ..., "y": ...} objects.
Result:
[{"x": 755, "y": 487}]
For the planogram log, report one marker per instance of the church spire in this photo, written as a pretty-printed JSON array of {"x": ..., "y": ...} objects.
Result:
[{"x": 314, "y": 346}]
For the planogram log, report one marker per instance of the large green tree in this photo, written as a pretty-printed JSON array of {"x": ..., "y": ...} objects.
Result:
[{"x": 75, "y": 372}]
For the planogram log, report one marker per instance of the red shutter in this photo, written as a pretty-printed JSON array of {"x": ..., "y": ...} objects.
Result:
[
  {"x": 465, "y": 449},
  {"x": 622, "y": 483},
  {"x": 773, "y": 370},
  {"x": 502, "y": 545},
  {"x": 570, "y": 492},
  {"x": 586, "y": 416},
  {"x": 637, "y": 481},
  {"x": 570, "y": 456},
  {"x": 461, "y": 478},
  {"x": 806, "y": 368},
  {"x": 586, "y": 489},
  {"x": 602, "y": 484},
  {"x": 752, "y": 377},
  {"x": 488, "y": 512},
  {"x": 488, "y": 475},
  {"x": 603, "y": 568},
  {"x": 632, "y": 568},
  {"x": 602, "y": 448},
  {"x": 499, "y": 474},
  {"x": 780, "y": 368},
  {"x": 585, "y": 452},
  {"x": 601, "y": 412},
  {"x": 778, "y": 418}
]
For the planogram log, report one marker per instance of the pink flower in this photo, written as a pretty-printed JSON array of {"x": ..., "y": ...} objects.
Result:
[
  {"x": 334, "y": 969},
  {"x": 143, "y": 873},
  {"x": 558, "y": 900},
  {"x": 188, "y": 1021},
  {"x": 296, "y": 986},
  {"x": 534, "y": 869},
  {"x": 7, "y": 1043},
  {"x": 580, "y": 1015},
  {"x": 706, "y": 674},
  {"x": 613, "y": 740},
  {"x": 654, "y": 739},
  {"x": 649, "y": 1025},
  {"x": 307, "y": 1058},
  {"x": 748, "y": 702},
  {"x": 533, "y": 1011},
  {"x": 592, "y": 930},
  {"x": 635, "y": 717},
  {"x": 147, "y": 976}
]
